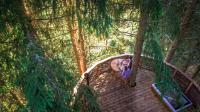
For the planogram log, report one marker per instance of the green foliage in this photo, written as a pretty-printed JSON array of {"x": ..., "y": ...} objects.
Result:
[
  {"x": 40, "y": 66},
  {"x": 171, "y": 19},
  {"x": 187, "y": 53},
  {"x": 152, "y": 8},
  {"x": 153, "y": 49},
  {"x": 163, "y": 78},
  {"x": 11, "y": 42},
  {"x": 95, "y": 16},
  {"x": 47, "y": 86},
  {"x": 88, "y": 97}
]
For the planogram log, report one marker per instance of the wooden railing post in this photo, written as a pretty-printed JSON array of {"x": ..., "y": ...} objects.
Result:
[
  {"x": 174, "y": 73},
  {"x": 188, "y": 88},
  {"x": 87, "y": 78}
]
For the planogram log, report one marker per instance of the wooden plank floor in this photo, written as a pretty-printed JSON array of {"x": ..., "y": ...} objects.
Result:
[{"x": 115, "y": 96}]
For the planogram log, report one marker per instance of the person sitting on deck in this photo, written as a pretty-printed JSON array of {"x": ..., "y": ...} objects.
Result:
[
  {"x": 126, "y": 72},
  {"x": 127, "y": 69}
]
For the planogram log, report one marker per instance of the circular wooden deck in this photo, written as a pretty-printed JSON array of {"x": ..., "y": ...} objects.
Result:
[{"x": 115, "y": 96}]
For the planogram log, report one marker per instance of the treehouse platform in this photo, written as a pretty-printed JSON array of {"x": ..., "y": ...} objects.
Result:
[{"x": 116, "y": 96}]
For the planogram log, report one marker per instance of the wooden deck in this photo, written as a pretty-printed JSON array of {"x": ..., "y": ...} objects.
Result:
[{"x": 115, "y": 96}]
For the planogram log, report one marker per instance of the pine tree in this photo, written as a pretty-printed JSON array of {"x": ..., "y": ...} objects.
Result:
[
  {"x": 183, "y": 29},
  {"x": 138, "y": 46},
  {"x": 147, "y": 11}
]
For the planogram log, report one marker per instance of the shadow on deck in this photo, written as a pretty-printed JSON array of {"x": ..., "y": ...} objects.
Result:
[{"x": 115, "y": 96}]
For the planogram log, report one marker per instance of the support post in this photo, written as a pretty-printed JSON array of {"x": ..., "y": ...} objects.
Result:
[{"x": 87, "y": 78}]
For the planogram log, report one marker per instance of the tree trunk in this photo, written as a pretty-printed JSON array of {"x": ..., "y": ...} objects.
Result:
[
  {"x": 183, "y": 29},
  {"x": 74, "y": 35},
  {"x": 77, "y": 39},
  {"x": 138, "y": 48},
  {"x": 29, "y": 26},
  {"x": 83, "y": 59}
]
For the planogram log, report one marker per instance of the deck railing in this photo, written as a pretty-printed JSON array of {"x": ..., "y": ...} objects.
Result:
[{"x": 188, "y": 86}]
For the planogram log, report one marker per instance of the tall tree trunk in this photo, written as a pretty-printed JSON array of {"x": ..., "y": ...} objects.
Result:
[
  {"x": 29, "y": 28},
  {"x": 74, "y": 38},
  {"x": 77, "y": 38},
  {"x": 83, "y": 60},
  {"x": 138, "y": 48},
  {"x": 183, "y": 29}
]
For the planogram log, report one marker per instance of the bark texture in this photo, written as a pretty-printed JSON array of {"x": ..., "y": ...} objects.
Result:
[
  {"x": 138, "y": 48},
  {"x": 77, "y": 38}
]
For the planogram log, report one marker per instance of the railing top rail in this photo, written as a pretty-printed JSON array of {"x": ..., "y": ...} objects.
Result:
[
  {"x": 104, "y": 60},
  {"x": 184, "y": 74}
]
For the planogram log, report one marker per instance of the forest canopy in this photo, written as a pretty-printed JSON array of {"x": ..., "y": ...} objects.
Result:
[{"x": 46, "y": 45}]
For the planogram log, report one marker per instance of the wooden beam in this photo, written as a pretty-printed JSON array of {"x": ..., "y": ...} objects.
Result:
[
  {"x": 188, "y": 88},
  {"x": 174, "y": 73}
]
